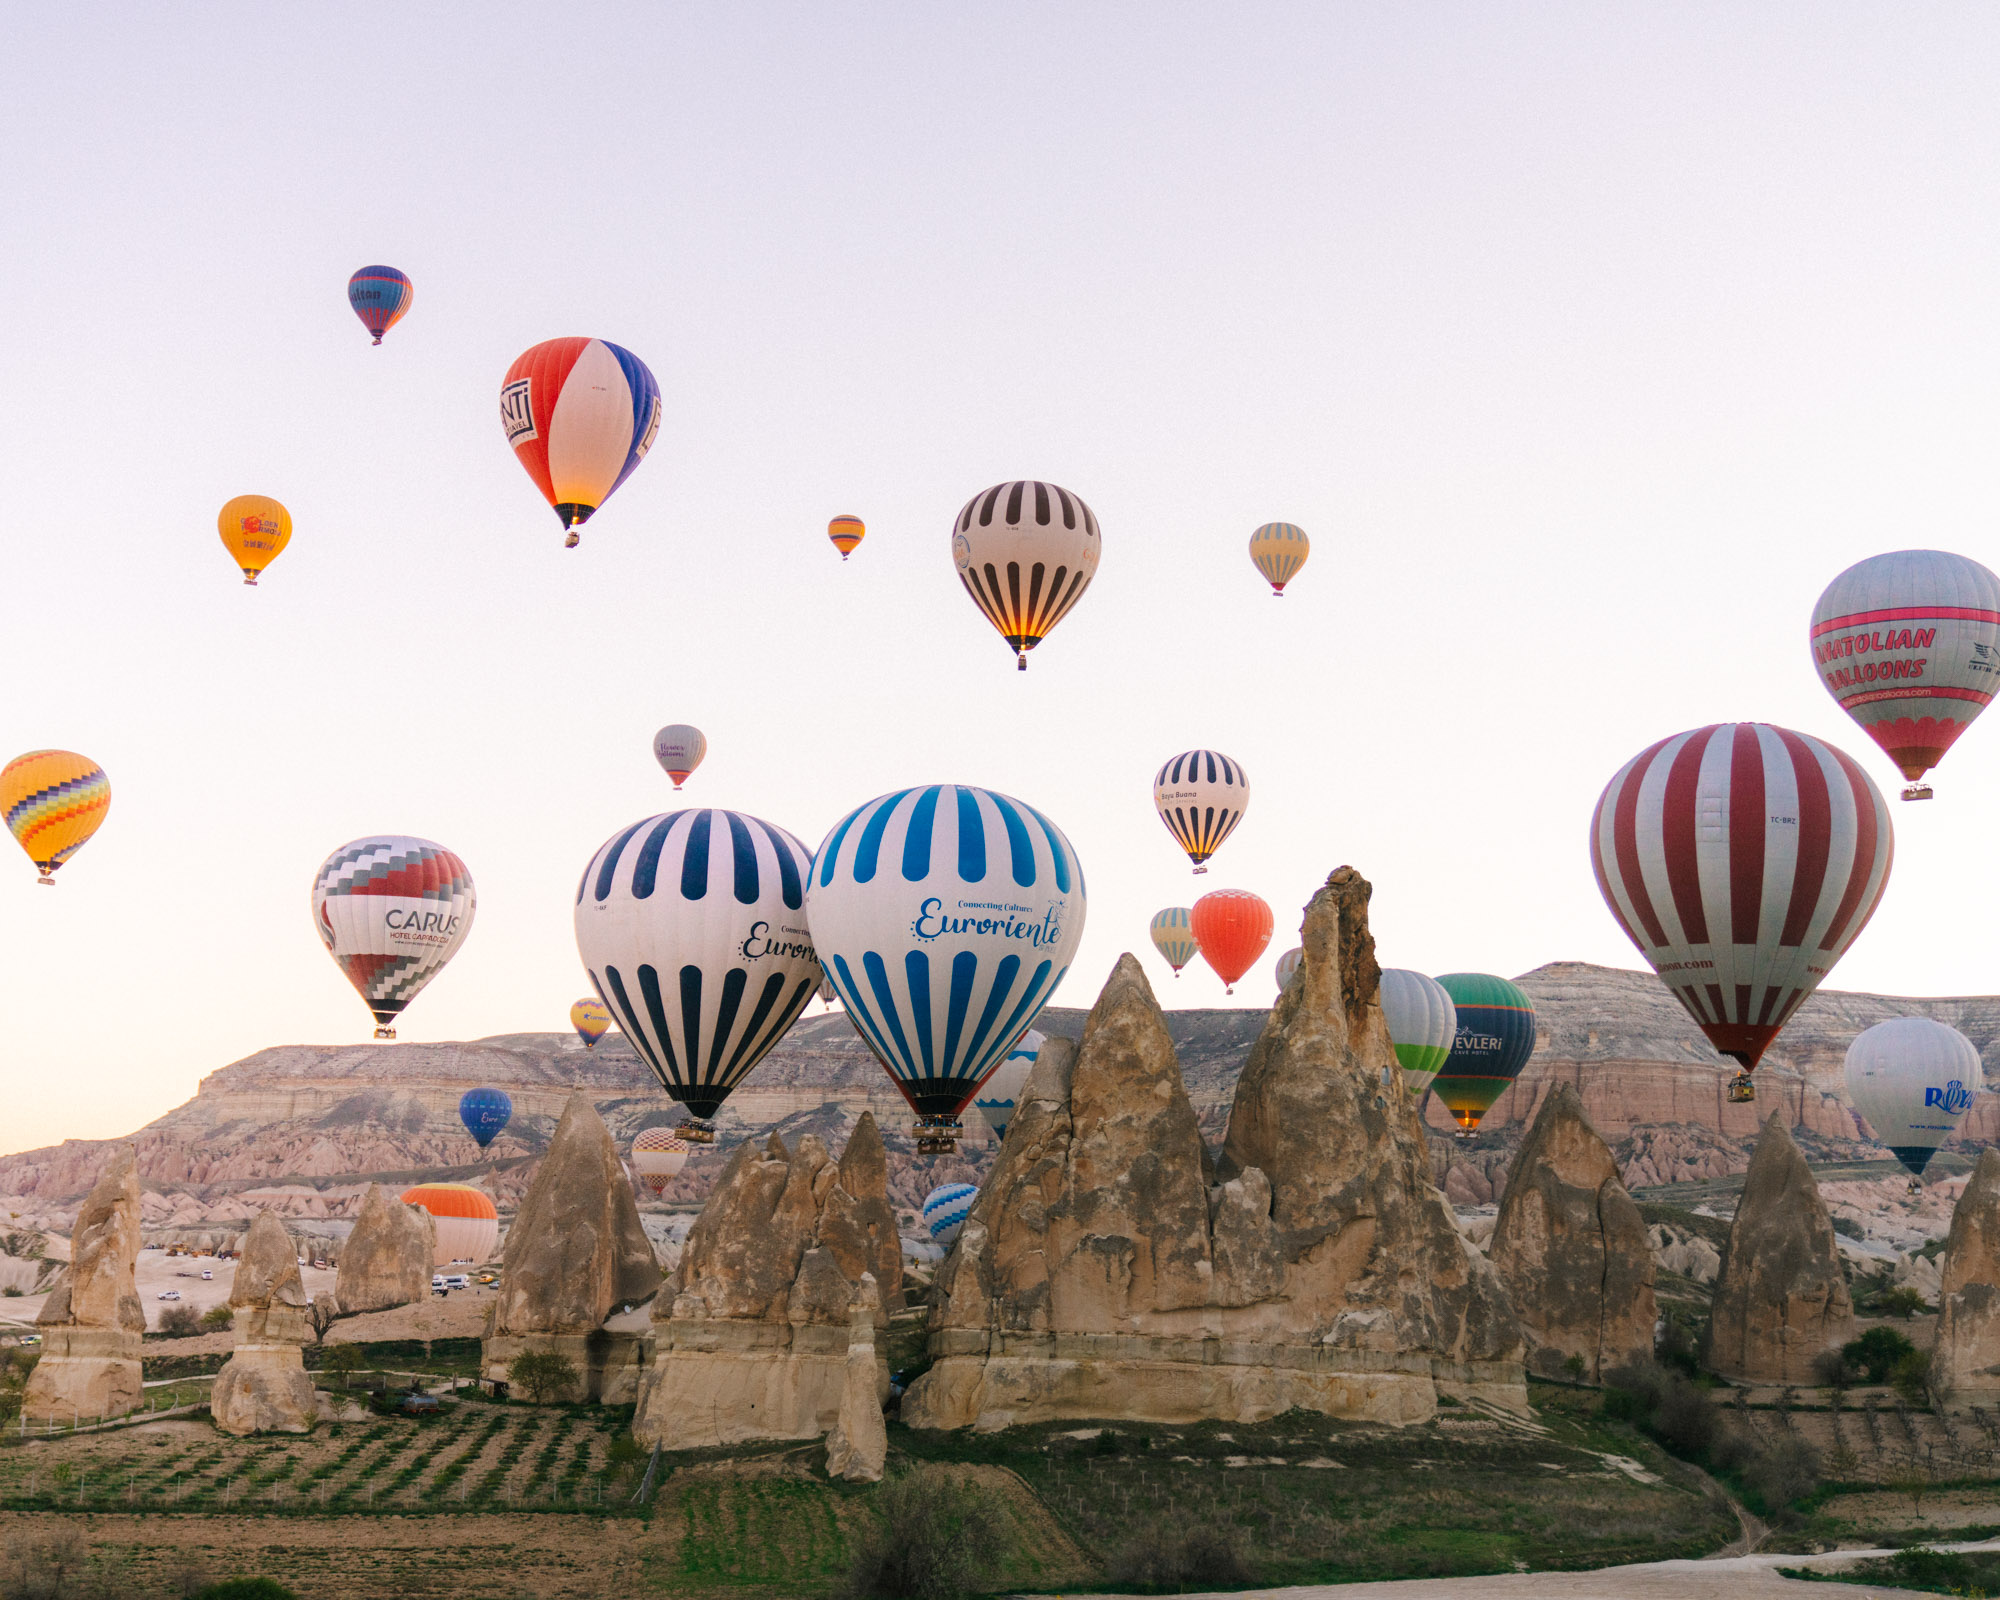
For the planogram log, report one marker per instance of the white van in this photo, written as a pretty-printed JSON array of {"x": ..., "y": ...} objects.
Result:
[
  {"x": 458, "y": 1280},
  {"x": 437, "y": 1283}
]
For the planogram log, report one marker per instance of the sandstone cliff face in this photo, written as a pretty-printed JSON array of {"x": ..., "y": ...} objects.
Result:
[
  {"x": 1108, "y": 1269},
  {"x": 1781, "y": 1297},
  {"x": 1573, "y": 1249},
  {"x": 263, "y": 1387},
  {"x": 1965, "y": 1365},
  {"x": 92, "y": 1321},
  {"x": 386, "y": 1260}
]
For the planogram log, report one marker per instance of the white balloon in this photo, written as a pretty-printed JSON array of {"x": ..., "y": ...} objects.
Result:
[
  {"x": 391, "y": 911},
  {"x": 658, "y": 1157},
  {"x": 1912, "y": 1078},
  {"x": 679, "y": 749},
  {"x": 1288, "y": 963},
  {"x": 1001, "y": 1092},
  {"x": 1201, "y": 795},
  {"x": 1422, "y": 1024},
  {"x": 1025, "y": 552}
]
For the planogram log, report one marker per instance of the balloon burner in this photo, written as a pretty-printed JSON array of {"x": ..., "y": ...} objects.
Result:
[
  {"x": 1741, "y": 1089},
  {"x": 937, "y": 1136}
]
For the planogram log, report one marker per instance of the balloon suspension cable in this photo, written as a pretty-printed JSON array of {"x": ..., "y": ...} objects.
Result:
[
  {"x": 1917, "y": 791},
  {"x": 696, "y": 1130},
  {"x": 937, "y": 1136},
  {"x": 385, "y": 1032}
]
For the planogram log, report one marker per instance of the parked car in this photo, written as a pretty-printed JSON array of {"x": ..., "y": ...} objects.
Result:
[
  {"x": 170, "y": 1294},
  {"x": 206, "y": 1273}
]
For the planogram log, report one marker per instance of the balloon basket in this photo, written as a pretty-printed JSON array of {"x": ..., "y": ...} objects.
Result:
[
  {"x": 696, "y": 1131},
  {"x": 1917, "y": 791},
  {"x": 250, "y": 580},
  {"x": 1465, "y": 1135},
  {"x": 1201, "y": 872},
  {"x": 1916, "y": 1186},
  {"x": 937, "y": 1136},
  {"x": 385, "y": 1032},
  {"x": 571, "y": 541},
  {"x": 1020, "y": 663},
  {"x": 1741, "y": 1089},
  {"x": 47, "y": 880}
]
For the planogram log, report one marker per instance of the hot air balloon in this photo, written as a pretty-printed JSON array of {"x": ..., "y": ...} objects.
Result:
[
  {"x": 591, "y": 1020},
  {"x": 946, "y": 1209},
  {"x": 693, "y": 928},
  {"x": 580, "y": 414},
  {"x": 381, "y": 297},
  {"x": 1278, "y": 550},
  {"x": 485, "y": 1112},
  {"x": 1288, "y": 963},
  {"x": 946, "y": 917},
  {"x": 1493, "y": 1040},
  {"x": 1912, "y": 1078},
  {"x": 658, "y": 1156},
  {"x": 1231, "y": 928},
  {"x": 1001, "y": 1092},
  {"x": 679, "y": 749},
  {"x": 54, "y": 800},
  {"x": 255, "y": 530},
  {"x": 1173, "y": 937},
  {"x": 1201, "y": 795},
  {"x": 827, "y": 994},
  {"x": 1742, "y": 859},
  {"x": 468, "y": 1226},
  {"x": 846, "y": 533},
  {"x": 1422, "y": 1024},
  {"x": 1909, "y": 644},
  {"x": 391, "y": 911},
  {"x": 1025, "y": 552}
]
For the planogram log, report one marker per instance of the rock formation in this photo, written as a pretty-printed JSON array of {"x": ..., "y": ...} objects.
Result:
[
  {"x": 387, "y": 1258},
  {"x": 1781, "y": 1297},
  {"x": 1965, "y": 1363},
  {"x": 750, "y": 1338},
  {"x": 92, "y": 1322},
  {"x": 575, "y": 1255},
  {"x": 1108, "y": 1269},
  {"x": 859, "y": 1444},
  {"x": 263, "y": 1387},
  {"x": 1572, "y": 1248},
  {"x": 1689, "y": 1254}
]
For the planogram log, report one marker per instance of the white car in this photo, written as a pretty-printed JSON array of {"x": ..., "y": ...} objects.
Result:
[
  {"x": 170, "y": 1294},
  {"x": 207, "y": 1274}
]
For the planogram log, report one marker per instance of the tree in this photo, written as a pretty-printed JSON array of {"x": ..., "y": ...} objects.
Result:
[
  {"x": 217, "y": 1319},
  {"x": 542, "y": 1374},
  {"x": 322, "y": 1314},
  {"x": 341, "y": 1360},
  {"x": 178, "y": 1322},
  {"x": 1876, "y": 1352}
]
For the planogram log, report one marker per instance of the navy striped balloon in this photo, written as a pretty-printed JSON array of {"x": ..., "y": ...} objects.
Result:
[
  {"x": 1201, "y": 795},
  {"x": 946, "y": 917},
  {"x": 693, "y": 928}
]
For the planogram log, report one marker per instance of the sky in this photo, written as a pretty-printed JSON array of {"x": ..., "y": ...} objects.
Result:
[{"x": 1587, "y": 342}]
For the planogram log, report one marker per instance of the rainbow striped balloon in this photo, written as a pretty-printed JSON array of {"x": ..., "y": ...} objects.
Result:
[
  {"x": 1278, "y": 550},
  {"x": 54, "y": 800},
  {"x": 846, "y": 532}
]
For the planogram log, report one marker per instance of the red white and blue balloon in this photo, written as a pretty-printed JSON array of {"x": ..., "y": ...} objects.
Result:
[
  {"x": 581, "y": 415},
  {"x": 945, "y": 1211},
  {"x": 693, "y": 928},
  {"x": 391, "y": 911},
  {"x": 946, "y": 917},
  {"x": 1001, "y": 1092}
]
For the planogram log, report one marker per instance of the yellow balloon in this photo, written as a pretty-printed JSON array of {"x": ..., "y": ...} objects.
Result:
[
  {"x": 254, "y": 529},
  {"x": 53, "y": 801}
]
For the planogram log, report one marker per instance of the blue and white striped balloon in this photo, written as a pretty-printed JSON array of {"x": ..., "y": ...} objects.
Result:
[
  {"x": 693, "y": 927},
  {"x": 946, "y": 917},
  {"x": 1001, "y": 1092},
  {"x": 946, "y": 1209}
]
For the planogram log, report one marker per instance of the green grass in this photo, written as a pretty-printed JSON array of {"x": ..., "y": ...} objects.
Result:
[
  {"x": 765, "y": 1533},
  {"x": 1973, "y": 1575}
]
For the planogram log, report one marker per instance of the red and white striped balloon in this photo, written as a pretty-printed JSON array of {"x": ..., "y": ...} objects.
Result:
[{"x": 1742, "y": 859}]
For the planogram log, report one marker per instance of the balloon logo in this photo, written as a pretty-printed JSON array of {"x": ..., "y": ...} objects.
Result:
[
  {"x": 581, "y": 415},
  {"x": 693, "y": 928},
  {"x": 54, "y": 800},
  {"x": 946, "y": 1209},
  {"x": 846, "y": 533},
  {"x": 255, "y": 530},
  {"x": 485, "y": 1112},
  {"x": 1025, "y": 552},
  {"x": 1494, "y": 1036},
  {"x": 591, "y": 1021},
  {"x": 1908, "y": 644},
  {"x": 1422, "y": 1021},
  {"x": 468, "y": 1226},
  {"x": 1278, "y": 550},
  {"x": 1913, "y": 1079},
  {"x": 1742, "y": 860},
  {"x": 679, "y": 749},
  {"x": 658, "y": 1157},
  {"x": 1201, "y": 796},
  {"x": 391, "y": 911},
  {"x": 946, "y": 917},
  {"x": 381, "y": 297},
  {"x": 1231, "y": 928},
  {"x": 1001, "y": 1092},
  {"x": 1173, "y": 937}
]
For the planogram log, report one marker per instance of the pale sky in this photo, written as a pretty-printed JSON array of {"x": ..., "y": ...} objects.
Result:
[{"x": 1587, "y": 343}]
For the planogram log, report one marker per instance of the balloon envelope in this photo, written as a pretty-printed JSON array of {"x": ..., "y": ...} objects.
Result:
[
  {"x": 1025, "y": 552},
  {"x": 946, "y": 916},
  {"x": 945, "y": 1210},
  {"x": 1494, "y": 1037},
  {"x": 658, "y": 1156},
  {"x": 692, "y": 927},
  {"x": 1913, "y": 1079},
  {"x": 581, "y": 415},
  {"x": 1278, "y": 550},
  {"x": 1173, "y": 937},
  {"x": 468, "y": 1226},
  {"x": 846, "y": 533},
  {"x": 255, "y": 530},
  {"x": 381, "y": 297},
  {"x": 1908, "y": 643},
  {"x": 391, "y": 911},
  {"x": 1231, "y": 927},
  {"x": 592, "y": 1021},
  {"x": 997, "y": 1097},
  {"x": 679, "y": 749},
  {"x": 1201, "y": 795},
  {"x": 1422, "y": 1024},
  {"x": 54, "y": 800},
  {"x": 485, "y": 1112},
  {"x": 1288, "y": 963},
  {"x": 1742, "y": 860}
]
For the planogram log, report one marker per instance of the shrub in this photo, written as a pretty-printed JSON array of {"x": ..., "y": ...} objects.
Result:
[
  {"x": 541, "y": 1374},
  {"x": 1903, "y": 1302},
  {"x": 246, "y": 1589},
  {"x": 12, "y": 1291},
  {"x": 1678, "y": 1344},
  {"x": 1783, "y": 1472},
  {"x": 1685, "y": 1420},
  {"x": 1849, "y": 1228},
  {"x": 178, "y": 1322},
  {"x": 217, "y": 1319},
  {"x": 1201, "y": 1560},
  {"x": 938, "y": 1539},
  {"x": 1833, "y": 1370},
  {"x": 1912, "y": 1376},
  {"x": 1876, "y": 1352}
]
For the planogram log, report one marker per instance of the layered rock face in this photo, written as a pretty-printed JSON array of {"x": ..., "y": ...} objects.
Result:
[
  {"x": 387, "y": 1258},
  {"x": 1965, "y": 1363},
  {"x": 1573, "y": 1250},
  {"x": 750, "y": 1338},
  {"x": 263, "y": 1387},
  {"x": 92, "y": 1322},
  {"x": 1781, "y": 1297},
  {"x": 1109, "y": 1270},
  {"x": 576, "y": 1254}
]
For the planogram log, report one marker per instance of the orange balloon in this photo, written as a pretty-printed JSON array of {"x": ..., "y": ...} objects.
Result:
[{"x": 1231, "y": 928}]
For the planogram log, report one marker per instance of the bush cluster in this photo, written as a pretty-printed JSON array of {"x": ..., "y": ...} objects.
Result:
[
  {"x": 1669, "y": 1406},
  {"x": 1881, "y": 1355},
  {"x": 937, "y": 1539},
  {"x": 1204, "y": 1559}
]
